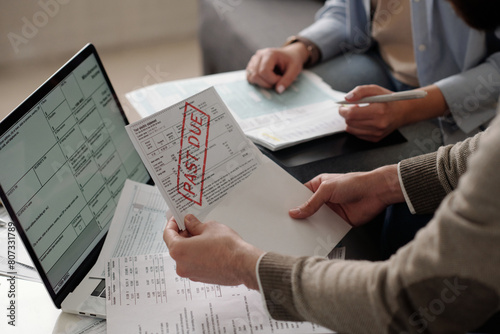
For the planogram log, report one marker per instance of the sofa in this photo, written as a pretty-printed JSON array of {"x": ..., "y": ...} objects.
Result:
[{"x": 230, "y": 31}]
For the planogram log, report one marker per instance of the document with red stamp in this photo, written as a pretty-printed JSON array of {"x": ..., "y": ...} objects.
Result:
[{"x": 195, "y": 152}]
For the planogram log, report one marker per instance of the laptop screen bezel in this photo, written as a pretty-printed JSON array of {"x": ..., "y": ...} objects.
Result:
[{"x": 25, "y": 107}]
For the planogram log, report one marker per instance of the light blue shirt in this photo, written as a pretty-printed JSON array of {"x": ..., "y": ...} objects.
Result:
[{"x": 448, "y": 53}]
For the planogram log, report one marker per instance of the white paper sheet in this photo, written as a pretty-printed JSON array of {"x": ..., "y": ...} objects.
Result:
[
  {"x": 137, "y": 225},
  {"x": 144, "y": 295},
  {"x": 68, "y": 323},
  {"x": 306, "y": 110},
  {"x": 195, "y": 152},
  {"x": 258, "y": 211},
  {"x": 297, "y": 125},
  {"x": 258, "y": 208}
]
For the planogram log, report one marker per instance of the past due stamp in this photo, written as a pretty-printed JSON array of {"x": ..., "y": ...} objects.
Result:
[{"x": 193, "y": 153}]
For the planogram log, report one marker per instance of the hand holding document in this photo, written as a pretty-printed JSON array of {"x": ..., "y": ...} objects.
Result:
[
  {"x": 204, "y": 165},
  {"x": 195, "y": 153}
]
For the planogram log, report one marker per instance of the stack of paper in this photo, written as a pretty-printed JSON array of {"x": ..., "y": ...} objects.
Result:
[{"x": 144, "y": 295}]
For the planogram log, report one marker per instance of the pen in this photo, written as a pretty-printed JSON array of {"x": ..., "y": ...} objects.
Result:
[{"x": 408, "y": 95}]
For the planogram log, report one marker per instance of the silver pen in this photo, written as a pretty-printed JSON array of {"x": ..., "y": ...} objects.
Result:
[{"x": 399, "y": 96}]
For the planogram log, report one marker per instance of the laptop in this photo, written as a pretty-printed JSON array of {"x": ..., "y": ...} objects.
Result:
[{"x": 64, "y": 158}]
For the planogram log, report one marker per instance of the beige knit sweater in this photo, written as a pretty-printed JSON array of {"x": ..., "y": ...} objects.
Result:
[{"x": 447, "y": 280}]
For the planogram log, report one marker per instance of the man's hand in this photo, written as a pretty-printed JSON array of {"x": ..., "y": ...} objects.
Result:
[
  {"x": 211, "y": 253},
  {"x": 356, "y": 197},
  {"x": 276, "y": 67}
]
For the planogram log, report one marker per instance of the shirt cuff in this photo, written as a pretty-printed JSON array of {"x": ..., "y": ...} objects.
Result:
[
  {"x": 471, "y": 96},
  {"x": 261, "y": 290},
  {"x": 405, "y": 194},
  {"x": 419, "y": 179}
]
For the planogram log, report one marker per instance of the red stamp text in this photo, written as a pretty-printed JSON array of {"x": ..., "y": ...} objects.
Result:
[{"x": 193, "y": 153}]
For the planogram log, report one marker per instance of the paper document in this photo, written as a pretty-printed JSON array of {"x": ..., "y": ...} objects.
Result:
[
  {"x": 145, "y": 295},
  {"x": 258, "y": 211},
  {"x": 306, "y": 110},
  {"x": 68, "y": 323},
  {"x": 137, "y": 225},
  {"x": 195, "y": 153},
  {"x": 228, "y": 179}
]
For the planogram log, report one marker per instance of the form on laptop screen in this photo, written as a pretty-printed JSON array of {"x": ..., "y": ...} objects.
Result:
[{"x": 62, "y": 167}]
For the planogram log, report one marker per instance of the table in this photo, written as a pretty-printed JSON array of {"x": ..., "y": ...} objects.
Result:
[{"x": 423, "y": 137}]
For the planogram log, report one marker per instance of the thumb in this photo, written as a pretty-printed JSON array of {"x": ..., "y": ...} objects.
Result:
[
  {"x": 312, "y": 205},
  {"x": 363, "y": 91},
  {"x": 288, "y": 77},
  {"x": 193, "y": 225}
]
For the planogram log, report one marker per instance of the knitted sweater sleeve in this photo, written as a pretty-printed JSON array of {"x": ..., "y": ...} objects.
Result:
[
  {"x": 428, "y": 178},
  {"x": 445, "y": 281}
]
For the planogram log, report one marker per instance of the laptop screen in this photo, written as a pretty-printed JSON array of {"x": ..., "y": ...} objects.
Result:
[{"x": 64, "y": 158}]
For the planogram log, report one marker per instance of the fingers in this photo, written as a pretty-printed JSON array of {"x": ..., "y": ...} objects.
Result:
[
  {"x": 371, "y": 123},
  {"x": 260, "y": 70},
  {"x": 366, "y": 90},
  {"x": 273, "y": 67},
  {"x": 314, "y": 183},
  {"x": 171, "y": 232},
  {"x": 320, "y": 197},
  {"x": 357, "y": 113},
  {"x": 193, "y": 225},
  {"x": 288, "y": 78}
]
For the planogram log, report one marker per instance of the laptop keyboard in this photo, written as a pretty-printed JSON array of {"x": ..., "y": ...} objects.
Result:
[{"x": 100, "y": 290}]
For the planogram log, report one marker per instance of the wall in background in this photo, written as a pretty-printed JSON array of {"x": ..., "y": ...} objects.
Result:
[{"x": 45, "y": 29}]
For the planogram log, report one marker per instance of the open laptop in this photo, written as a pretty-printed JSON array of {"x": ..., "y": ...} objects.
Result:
[{"x": 64, "y": 157}]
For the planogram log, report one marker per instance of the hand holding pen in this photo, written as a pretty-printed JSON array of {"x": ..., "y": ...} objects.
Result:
[
  {"x": 391, "y": 97},
  {"x": 372, "y": 112}
]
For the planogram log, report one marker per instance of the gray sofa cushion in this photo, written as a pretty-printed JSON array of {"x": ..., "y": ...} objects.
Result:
[{"x": 230, "y": 31}]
